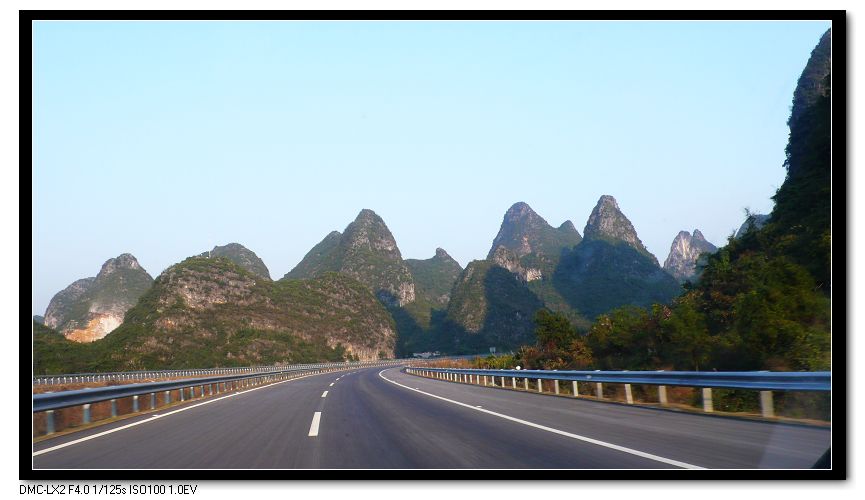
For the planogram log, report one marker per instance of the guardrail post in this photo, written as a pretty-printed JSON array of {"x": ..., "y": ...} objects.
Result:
[
  {"x": 49, "y": 422},
  {"x": 485, "y": 380},
  {"x": 113, "y": 407},
  {"x": 152, "y": 400},
  {"x": 210, "y": 389},
  {"x": 766, "y": 404},
  {"x": 540, "y": 386},
  {"x": 556, "y": 382},
  {"x": 135, "y": 404},
  {"x": 707, "y": 400},
  {"x": 662, "y": 394},
  {"x": 85, "y": 417},
  {"x": 599, "y": 388},
  {"x": 167, "y": 397},
  {"x": 576, "y": 390},
  {"x": 514, "y": 382},
  {"x": 526, "y": 383},
  {"x": 202, "y": 391},
  {"x": 182, "y": 394},
  {"x": 629, "y": 398},
  {"x": 503, "y": 382}
]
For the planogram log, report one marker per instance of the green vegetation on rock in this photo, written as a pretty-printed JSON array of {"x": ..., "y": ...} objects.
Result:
[
  {"x": 209, "y": 312},
  {"x": 241, "y": 256},
  {"x": 763, "y": 301},
  {"x": 367, "y": 252},
  {"x": 599, "y": 275}
]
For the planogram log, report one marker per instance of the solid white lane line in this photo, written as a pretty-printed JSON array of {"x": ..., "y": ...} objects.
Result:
[
  {"x": 155, "y": 417},
  {"x": 313, "y": 427},
  {"x": 605, "y": 444},
  {"x": 324, "y": 394}
]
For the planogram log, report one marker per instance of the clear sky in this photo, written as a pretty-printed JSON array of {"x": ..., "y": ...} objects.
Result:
[{"x": 165, "y": 139}]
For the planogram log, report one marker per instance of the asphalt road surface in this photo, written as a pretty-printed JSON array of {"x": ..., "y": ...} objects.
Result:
[{"x": 383, "y": 418}]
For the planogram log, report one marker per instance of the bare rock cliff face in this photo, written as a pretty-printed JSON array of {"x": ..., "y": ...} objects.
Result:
[
  {"x": 681, "y": 263},
  {"x": 510, "y": 261},
  {"x": 57, "y": 312},
  {"x": 91, "y": 308}
]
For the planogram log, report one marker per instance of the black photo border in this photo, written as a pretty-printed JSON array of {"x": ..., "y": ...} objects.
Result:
[{"x": 840, "y": 189}]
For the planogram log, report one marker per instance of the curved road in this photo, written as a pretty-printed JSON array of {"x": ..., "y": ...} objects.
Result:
[{"x": 374, "y": 418}]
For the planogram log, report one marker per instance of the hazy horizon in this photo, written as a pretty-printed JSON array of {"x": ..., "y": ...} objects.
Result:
[{"x": 165, "y": 139}]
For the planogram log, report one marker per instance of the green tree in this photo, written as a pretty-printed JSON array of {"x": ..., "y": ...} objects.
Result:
[{"x": 553, "y": 330}]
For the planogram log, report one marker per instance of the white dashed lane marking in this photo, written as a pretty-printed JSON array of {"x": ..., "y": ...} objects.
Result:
[{"x": 313, "y": 428}]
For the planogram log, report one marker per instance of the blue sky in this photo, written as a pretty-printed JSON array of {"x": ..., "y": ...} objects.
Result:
[{"x": 165, "y": 139}]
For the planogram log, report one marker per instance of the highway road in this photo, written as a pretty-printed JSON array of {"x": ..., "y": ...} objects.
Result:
[{"x": 383, "y": 418}]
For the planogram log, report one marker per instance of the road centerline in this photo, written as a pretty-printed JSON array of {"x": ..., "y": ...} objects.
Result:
[{"x": 313, "y": 427}]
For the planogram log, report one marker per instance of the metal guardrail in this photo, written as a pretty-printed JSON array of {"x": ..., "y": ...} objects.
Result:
[
  {"x": 71, "y": 378},
  {"x": 51, "y": 401},
  {"x": 65, "y": 399},
  {"x": 765, "y": 382}
]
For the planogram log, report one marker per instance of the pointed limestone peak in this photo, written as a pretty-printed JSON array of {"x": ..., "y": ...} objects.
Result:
[
  {"x": 122, "y": 261},
  {"x": 91, "y": 308},
  {"x": 523, "y": 232},
  {"x": 368, "y": 231},
  {"x": 242, "y": 256},
  {"x": 607, "y": 222},
  {"x": 681, "y": 262},
  {"x": 568, "y": 227},
  {"x": 520, "y": 211},
  {"x": 367, "y": 215},
  {"x": 441, "y": 254},
  {"x": 811, "y": 84}
]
